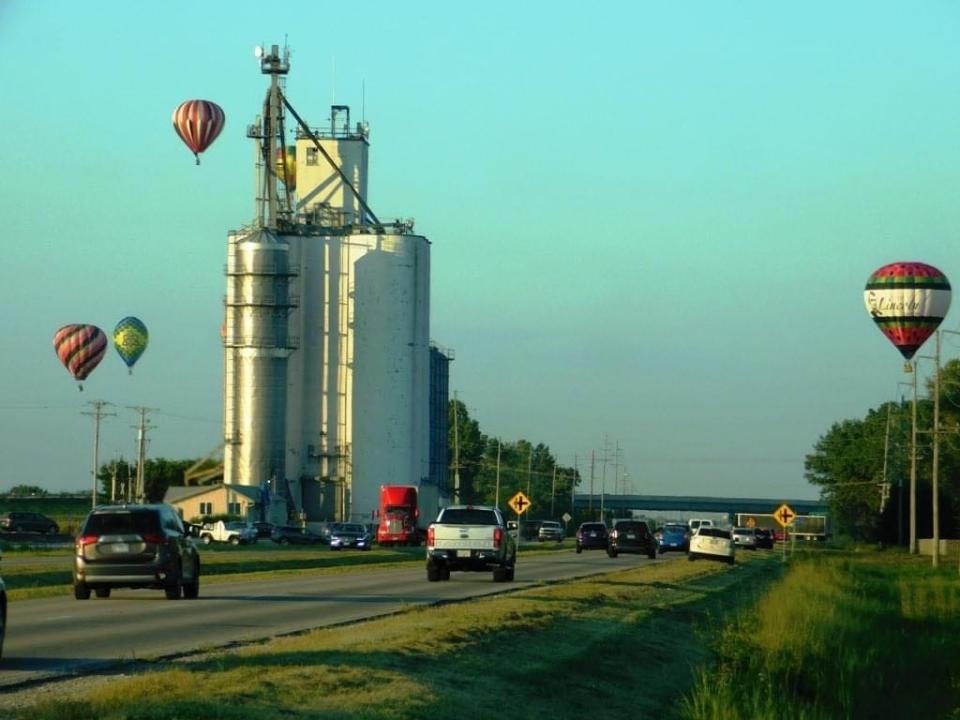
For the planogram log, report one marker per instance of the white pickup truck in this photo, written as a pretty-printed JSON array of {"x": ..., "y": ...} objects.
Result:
[
  {"x": 470, "y": 537},
  {"x": 235, "y": 533}
]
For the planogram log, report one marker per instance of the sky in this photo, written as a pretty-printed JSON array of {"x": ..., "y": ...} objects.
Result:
[{"x": 651, "y": 223}]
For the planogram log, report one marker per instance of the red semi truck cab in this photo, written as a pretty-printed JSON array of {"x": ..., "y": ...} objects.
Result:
[{"x": 399, "y": 516}]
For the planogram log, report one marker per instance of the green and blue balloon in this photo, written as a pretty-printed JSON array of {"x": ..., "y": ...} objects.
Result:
[{"x": 130, "y": 338}]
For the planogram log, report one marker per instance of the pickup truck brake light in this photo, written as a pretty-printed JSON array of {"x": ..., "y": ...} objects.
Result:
[
  {"x": 431, "y": 537},
  {"x": 497, "y": 536}
]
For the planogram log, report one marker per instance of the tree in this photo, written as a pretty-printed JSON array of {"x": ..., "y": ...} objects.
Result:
[
  {"x": 158, "y": 475},
  {"x": 26, "y": 491}
]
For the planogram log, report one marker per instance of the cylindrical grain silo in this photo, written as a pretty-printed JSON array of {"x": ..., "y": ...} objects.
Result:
[
  {"x": 391, "y": 361},
  {"x": 256, "y": 348}
]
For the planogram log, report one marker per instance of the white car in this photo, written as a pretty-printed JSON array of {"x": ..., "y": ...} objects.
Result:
[
  {"x": 745, "y": 537},
  {"x": 712, "y": 542}
]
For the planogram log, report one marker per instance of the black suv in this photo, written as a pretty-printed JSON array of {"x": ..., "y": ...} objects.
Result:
[
  {"x": 135, "y": 546},
  {"x": 28, "y": 522},
  {"x": 631, "y": 536},
  {"x": 592, "y": 536}
]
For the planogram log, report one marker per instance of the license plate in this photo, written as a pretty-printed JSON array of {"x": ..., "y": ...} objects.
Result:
[
  {"x": 593, "y": 534},
  {"x": 119, "y": 547},
  {"x": 463, "y": 553},
  {"x": 631, "y": 536}
]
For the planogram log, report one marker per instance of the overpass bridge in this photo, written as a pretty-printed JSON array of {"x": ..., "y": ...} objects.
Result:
[{"x": 696, "y": 504}]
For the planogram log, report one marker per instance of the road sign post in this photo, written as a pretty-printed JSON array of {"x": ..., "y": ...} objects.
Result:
[
  {"x": 519, "y": 503},
  {"x": 785, "y": 516}
]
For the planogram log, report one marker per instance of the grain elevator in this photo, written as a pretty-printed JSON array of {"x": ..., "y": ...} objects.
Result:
[{"x": 327, "y": 354}]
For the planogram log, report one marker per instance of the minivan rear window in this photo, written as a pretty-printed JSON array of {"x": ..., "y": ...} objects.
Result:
[{"x": 139, "y": 522}]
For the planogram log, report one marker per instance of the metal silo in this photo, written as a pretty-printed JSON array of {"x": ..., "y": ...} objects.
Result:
[
  {"x": 391, "y": 367},
  {"x": 326, "y": 337},
  {"x": 257, "y": 345}
]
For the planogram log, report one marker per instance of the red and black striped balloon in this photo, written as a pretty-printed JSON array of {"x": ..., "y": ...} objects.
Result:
[
  {"x": 80, "y": 348},
  {"x": 198, "y": 123}
]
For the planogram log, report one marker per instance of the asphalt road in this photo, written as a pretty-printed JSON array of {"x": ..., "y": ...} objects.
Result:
[{"x": 52, "y": 637}]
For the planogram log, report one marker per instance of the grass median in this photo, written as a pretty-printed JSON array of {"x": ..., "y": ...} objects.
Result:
[{"x": 623, "y": 643}]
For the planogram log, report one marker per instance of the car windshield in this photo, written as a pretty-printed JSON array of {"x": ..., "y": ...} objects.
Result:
[
  {"x": 593, "y": 527},
  {"x": 140, "y": 522},
  {"x": 743, "y": 531},
  {"x": 358, "y": 529},
  {"x": 631, "y": 526},
  {"x": 550, "y": 525}
]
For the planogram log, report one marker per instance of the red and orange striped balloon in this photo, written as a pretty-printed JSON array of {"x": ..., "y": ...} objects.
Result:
[
  {"x": 80, "y": 348},
  {"x": 198, "y": 123}
]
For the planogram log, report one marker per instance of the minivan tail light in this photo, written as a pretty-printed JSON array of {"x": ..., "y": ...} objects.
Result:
[
  {"x": 497, "y": 536},
  {"x": 155, "y": 539},
  {"x": 85, "y": 540}
]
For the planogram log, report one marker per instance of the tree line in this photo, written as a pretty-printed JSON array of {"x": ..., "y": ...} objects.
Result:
[
  {"x": 863, "y": 466},
  {"x": 521, "y": 465}
]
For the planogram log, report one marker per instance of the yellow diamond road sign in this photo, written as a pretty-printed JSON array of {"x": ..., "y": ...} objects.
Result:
[
  {"x": 784, "y": 515},
  {"x": 520, "y": 503}
]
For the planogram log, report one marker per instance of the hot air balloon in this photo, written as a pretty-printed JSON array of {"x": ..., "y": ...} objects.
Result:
[
  {"x": 198, "y": 122},
  {"x": 286, "y": 166},
  {"x": 130, "y": 339},
  {"x": 80, "y": 349},
  {"x": 907, "y": 301}
]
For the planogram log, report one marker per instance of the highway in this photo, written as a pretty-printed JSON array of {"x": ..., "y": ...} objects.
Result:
[{"x": 49, "y": 638}]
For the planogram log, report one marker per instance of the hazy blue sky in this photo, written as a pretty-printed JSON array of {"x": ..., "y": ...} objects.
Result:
[{"x": 650, "y": 221}]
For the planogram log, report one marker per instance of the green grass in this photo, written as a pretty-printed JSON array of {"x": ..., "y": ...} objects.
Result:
[
  {"x": 848, "y": 634},
  {"x": 624, "y": 644}
]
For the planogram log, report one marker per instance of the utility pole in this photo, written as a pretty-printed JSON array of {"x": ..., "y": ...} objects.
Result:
[
  {"x": 529, "y": 467},
  {"x": 97, "y": 414},
  {"x": 140, "y": 492},
  {"x": 593, "y": 461},
  {"x": 936, "y": 456},
  {"x": 573, "y": 488},
  {"x": 497, "y": 503},
  {"x": 912, "y": 369},
  {"x": 603, "y": 475},
  {"x": 553, "y": 488},
  {"x": 456, "y": 450}
]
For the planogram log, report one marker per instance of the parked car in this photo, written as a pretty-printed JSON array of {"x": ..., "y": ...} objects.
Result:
[
  {"x": 631, "y": 536},
  {"x": 673, "y": 536},
  {"x": 135, "y": 546},
  {"x": 350, "y": 535},
  {"x": 263, "y": 528},
  {"x": 550, "y": 530},
  {"x": 28, "y": 522},
  {"x": 292, "y": 535},
  {"x": 745, "y": 537},
  {"x": 711, "y": 542},
  {"x": 591, "y": 536},
  {"x": 235, "y": 533},
  {"x": 764, "y": 539}
]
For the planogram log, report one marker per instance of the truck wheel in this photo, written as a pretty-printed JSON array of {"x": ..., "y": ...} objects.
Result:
[
  {"x": 652, "y": 554},
  {"x": 612, "y": 553},
  {"x": 510, "y": 572},
  {"x": 102, "y": 592},
  {"x": 434, "y": 572},
  {"x": 207, "y": 539},
  {"x": 445, "y": 573},
  {"x": 579, "y": 549},
  {"x": 500, "y": 574},
  {"x": 691, "y": 557},
  {"x": 235, "y": 540},
  {"x": 81, "y": 591}
]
